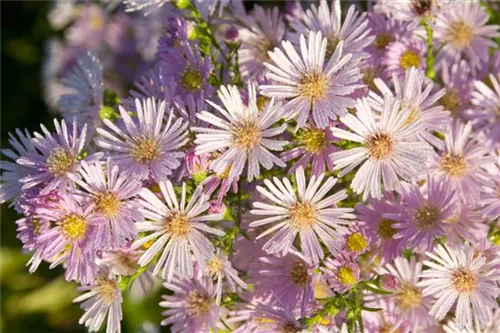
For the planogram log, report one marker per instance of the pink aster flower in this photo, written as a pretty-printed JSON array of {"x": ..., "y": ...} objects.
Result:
[
  {"x": 458, "y": 90},
  {"x": 462, "y": 162},
  {"x": 456, "y": 276},
  {"x": 490, "y": 195},
  {"x": 401, "y": 55},
  {"x": 243, "y": 134},
  {"x": 113, "y": 196},
  {"x": 386, "y": 320},
  {"x": 309, "y": 215},
  {"x": 341, "y": 273},
  {"x": 191, "y": 308},
  {"x": 353, "y": 30},
  {"x": 485, "y": 114},
  {"x": 309, "y": 83},
  {"x": 145, "y": 146},
  {"x": 466, "y": 224},
  {"x": 424, "y": 214},
  {"x": 176, "y": 230},
  {"x": 463, "y": 32},
  {"x": 389, "y": 148}
]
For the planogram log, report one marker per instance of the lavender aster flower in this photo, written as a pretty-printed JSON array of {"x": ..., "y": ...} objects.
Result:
[
  {"x": 177, "y": 229},
  {"x": 458, "y": 90},
  {"x": 102, "y": 298},
  {"x": 486, "y": 113},
  {"x": 353, "y": 31},
  {"x": 401, "y": 55},
  {"x": 243, "y": 134},
  {"x": 191, "y": 308},
  {"x": 458, "y": 276},
  {"x": 409, "y": 10},
  {"x": 389, "y": 149},
  {"x": 342, "y": 273},
  {"x": 490, "y": 196},
  {"x": 309, "y": 83},
  {"x": 309, "y": 215},
  {"x": 145, "y": 146}
]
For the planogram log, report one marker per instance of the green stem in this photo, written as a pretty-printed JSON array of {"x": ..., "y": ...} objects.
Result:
[{"x": 429, "y": 60}]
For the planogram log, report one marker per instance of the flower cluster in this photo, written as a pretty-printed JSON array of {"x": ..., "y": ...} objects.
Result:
[{"x": 317, "y": 168}]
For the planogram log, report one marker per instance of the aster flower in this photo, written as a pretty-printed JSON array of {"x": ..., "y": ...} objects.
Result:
[
  {"x": 145, "y": 146},
  {"x": 413, "y": 307},
  {"x": 486, "y": 113},
  {"x": 415, "y": 94},
  {"x": 462, "y": 162},
  {"x": 490, "y": 194},
  {"x": 289, "y": 278},
  {"x": 102, "y": 298},
  {"x": 243, "y": 134},
  {"x": 466, "y": 223},
  {"x": 12, "y": 172},
  {"x": 57, "y": 160},
  {"x": 191, "y": 308},
  {"x": 409, "y": 10},
  {"x": 120, "y": 261},
  {"x": 88, "y": 30},
  {"x": 389, "y": 150},
  {"x": 401, "y": 55},
  {"x": 188, "y": 69},
  {"x": 112, "y": 194},
  {"x": 308, "y": 215},
  {"x": 458, "y": 90},
  {"x": 342, "y": 273},
  {"x": 176, "y": 230},
  {"x": 354, "y": 31},
  {"x": 458, "y": 276},
  {"x": 464, "y": 33},
  {"x": 86, "y": 98},
  {"x": 313, "y": 146},
  {"x": 259, "y": 33},
  {"x": 309, "y": 83},
  {"x": 355, "y": 242},
  {"x": 219, "y": 267},
  {"x": 424, "y": 214},
  {"x": 386, "y": 320}
]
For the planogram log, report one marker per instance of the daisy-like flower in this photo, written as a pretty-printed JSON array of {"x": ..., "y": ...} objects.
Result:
[
  {"x": 490, "y": 196},
  {"x": 219, "y": 267},
  {"x": 389, "y": 149},
  {"x": 466, "y": 223},
  {"x": 313, "y": 146},
  {"x": 192, "y": 307},
  {"x": 355, "y": 242},
  {"x": 462, "y": 162},
  {"x": 458, "y": 90},
  {"x": 189, "y": 70},
  {"x": 457, "y": 276},
  {"x": 412, "y": 305},
  {"x": 424, "y": 214},
  {"x": 12, "y": 172},
  {"x": 354, "y": 31},
  {"x": 309, "y": 215},
  {"x": 492, "y": 327},
  {"x": 176, "y": 230},
  {"x": 289, "y": 278},
  {"x": 342, "y": 273},
  {"x": 113, "y": 195},
  {"x": 401, "y": 55},
  {"x": 100, "y": 300},
  {"x": 409, "y": 10},
  {"x": 259, "y": 33},
  {"x": 145, "y": 146},
  {"x": 416, "y": 94},
  {"x": 486, "y": 113},
  {"x": 309, "y": 83},
  {"x": 57, "y": 160},
  {"x": 386, "y": 320},
  {"x": 243, "y": 134},
  {"x": 464, "y": 34},
  {"x": 86, "y": 98}
]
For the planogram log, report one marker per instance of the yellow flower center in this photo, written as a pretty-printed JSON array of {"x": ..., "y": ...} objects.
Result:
[
  {"x": 108, "y": 204},
  {"x": 356, "y": 242},
  {"x": 382, "y": 40},
  {"x": 198, "y": 304},
  {"x": 453, "y": 165},
  {"x": 464, "y": 280},
  {"x": 385, "y": 229},
  {"x": 107, "y": 290},
  {"x": 246, "y": 136},
  {"x": 379, "y": 146},
  {"x": 369, "y": 76},
  {"x": 408, "y": 297},
  {"x": 451, "y": 101},
  {"x": 313, "y": 140},
  {"x": 214, "y": 266},
  {"x": 146, "y": 150},
  {"x": 177, "y": 225},
  {"x": 73, "y": 226},
  {"x": 387, "y": 328},
  {"x": 313, "y": 86},
  {"x": 331, "y": 46},
  {"x": 299, "y": 273},
  {"x": 192, "y": 79},
  {"x": 460, "y": 34},
  {"x": 346, "y": 276},
  {"x": 303, "y": 215},
  {"x": 263, "y": 47},
  {"x": 60, "y": 162},
  {"x": 409, "y": 59},
  {"x": 426, "y": 216}
]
